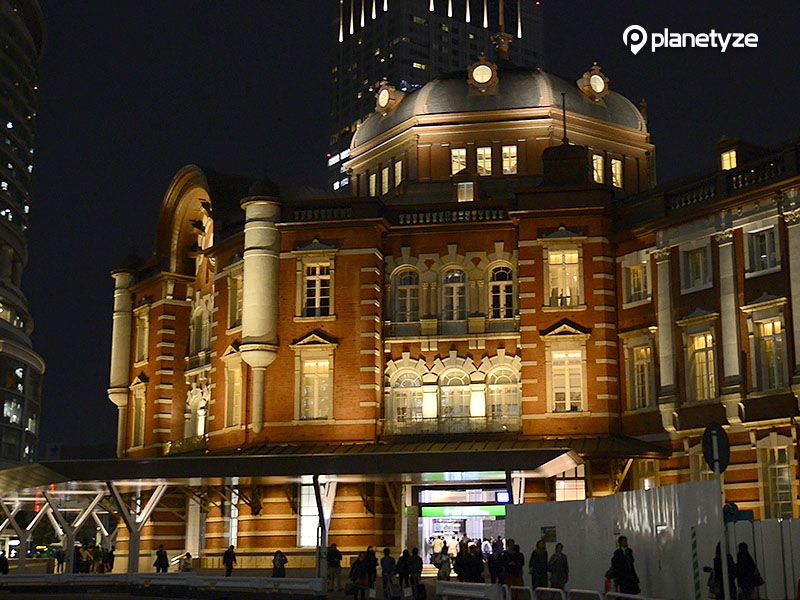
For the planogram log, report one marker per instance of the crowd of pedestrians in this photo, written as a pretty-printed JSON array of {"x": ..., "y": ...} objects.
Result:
[{"x": 742, "y": 574}]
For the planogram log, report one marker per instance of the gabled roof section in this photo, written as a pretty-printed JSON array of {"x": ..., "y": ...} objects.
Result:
[{"x": 565, "y": 327}]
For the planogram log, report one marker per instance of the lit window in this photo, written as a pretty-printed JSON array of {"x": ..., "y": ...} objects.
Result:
[
  {"x": 777, "y": 477},
  {"x": 308, "y": 517},
  {"x": 12, "y": 411},
  {"x": 317, "y": 290},
  {"x": 509, "y": 160},
  {"x": 398, "y": 172},
  {"x": 200, "y": 333},
  {"x": 696, "y": 268},
  {"x": 420, "y": 66},
  {"x": 501, "y": 293},
  {"x": 598, "y": 168},
  {"x": 484, "y": 161},
  {"x": 502, "y": 394},
  {"x": 454, "y": 395},
  {"x": 407, "y": 397},
  {"x": 315, "y": 389},
  {"x": 564, "y": 276},
  {"x": 641, "y": 375},
  {"x": 698, "y": 467},
  {"x": 466, "y": 191},
  {"x": 407, "y": 295},
  {"x": 454, "y": 294},
  {"x": 728, "y": 160},
  {"x": 233, "y": 392},
  {"x": 616, "y": 172},
  {"x": 567, "y": 381},
  {"x": 571, "y": 485},
  {"x": 762, "y": 250},
  {"x": 645, "y": 474},
  {"x": 771, "y": 356},
  {"x": 235, "y": 299},
  {"x": 702, "y": 378},
  {"x": 139, "y": 412},
  {"x": 384, "y": 181},
  {"x": 140, "y": 354},
  {"x": 373, "y": 184},
  {"x": 458, "y": 160},
  {"x": 636, "y": 282}
]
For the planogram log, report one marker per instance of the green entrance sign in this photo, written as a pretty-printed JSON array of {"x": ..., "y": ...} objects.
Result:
[{"x": 462, "y": 512}]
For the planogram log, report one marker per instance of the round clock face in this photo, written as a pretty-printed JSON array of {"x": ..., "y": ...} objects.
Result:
[
  {"x": 383, "y": 98},
  {"x": 598, "y": 84},
  {"x": 482, "y": 74}
]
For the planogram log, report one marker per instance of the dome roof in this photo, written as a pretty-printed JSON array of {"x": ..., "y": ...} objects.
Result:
[{"x": 519, "y": 87}]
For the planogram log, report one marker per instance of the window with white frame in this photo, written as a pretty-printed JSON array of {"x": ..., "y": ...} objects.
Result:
[
  {"x": 502, "y": 394},
  {"x": 385, "y": 180},
  {"x": 407, "y": 397},
  {"x": 696, "y": 265},
  {"x": 454, "y": 287},
  {"x": 465, "y": 191},
  {"x": 617, "y": 172},
  {"x": 373, "y": 184},
  {"x": 317, "y": 289},
  {"x": 316, "y": 400},
  {"x": 564, "y": 274},
  {"x": 777, "y": 478},
  {"x": 727, "y": 160},
  {"x": 142, "y": 326},
  {"x": 233, "y": 392},
  {"x": 458, "y": 160},
  {"x": 233, "y": 518},
  {"x": 637, "y": 282},
  {"x": 598, "y": 168},
  {"x": 235, "y": 298},
  {"x": 139, "y": 413},
  {"x": 641, "y": 377},
  {"x": 571, "y": 485},
  {"x": 398, "y": 172},
  {"x": 698, "y": 467},
  {"x": 454, "y": 395},
  {"x": 702, "y": 367},
  {"x": 501, "y": 293},
  {"x": 406, "y": 290},
  {"x": 308, "y": 517},
  {"x": 484, "y": 155},
  {"x": 510, "y": 160},
  {"x": 645, "y": 474},
  {"x": 762, "y": 250},
  {"x": 200, "y": 332},
  {"x": 771, "y": 356},
  {"x": 567, "y": 380}
]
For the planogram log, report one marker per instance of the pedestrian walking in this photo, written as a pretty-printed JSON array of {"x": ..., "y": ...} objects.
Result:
[
  {"x": 372, "y": 567},
  {"x": 334, "y": 559},
  {"x": 622, "y": 568},
  {"x": 403, "y": 570},
  {"x": 186, "y": 563},
  {"x": 717, "y": 575},
  {"x": 559, "y": 568},
  {"x": 388, "y": 566},
  {"x": 161, "y": 563},
  {"x": 495, "y": 563},
  {"x": 415, "y": 574},
  {"x": 3, "y": 563},
  {"x": 537, "y": 566},
  {"x": 747, "y": 575},
  {"x": 513, "y": 564},
  {"x": 444, "y": 566},
  {"x": 279, "y": 561},
  {"x": 229, "y": 560},
  {"x": 109, "y": 559},
  {"x": 359, "y": 577}
]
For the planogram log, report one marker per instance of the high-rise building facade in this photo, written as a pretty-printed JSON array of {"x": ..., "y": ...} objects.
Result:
[
  {"x": 22, "y": 37},
  {"x": 409, "y": 42}
]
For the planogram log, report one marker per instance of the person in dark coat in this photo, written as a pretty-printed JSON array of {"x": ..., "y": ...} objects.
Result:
[
  {"x": 415, "y": 572},
  {"x": 229, "y": 559},
  {"x": 625, "y": 577},
  {"x": 388, "y": 568},
  {"x": 513, "y": 564},
  {"x": 279, "y": 561},
  {"x": 162, "y": 562},
  {"x": 718, "y": 574},
  {"x": 403, "y": 570},
  {"x": 372, "y": 566},
  {"x": 495, "y": 564},
  {"x": 3, "y": 563},
  {"x": 475, "y": 565},
  {"x": 559, "y": 568},
  {"x": 537, "y": 566},
  {"x": 334, "y": 559},
  {"x": 359, "y": 577},
  {"x": 747, "y": 575}
]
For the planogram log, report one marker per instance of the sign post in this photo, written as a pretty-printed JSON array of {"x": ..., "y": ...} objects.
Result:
[{"x": 717, "y": 452}]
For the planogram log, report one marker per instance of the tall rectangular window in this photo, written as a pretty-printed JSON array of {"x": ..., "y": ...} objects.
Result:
[
  {"x": 637, "y": 286},
  {"x": 407, "y": 294},
  {"x": 233, "y": 394},
  {"x": 771, "y": 356},
  {"x": 696, "y": 267},
  {"x": 235, "y": 300},
  {"x": 454, "y": 296},
  {"x": 139, "y": 413},
  {"x": 598, "y": 168},
  {"x": 641, "y": 385},
  {"x": 373, "y": 184},
  {"x": 617, "y": 172},
  {"x": 509, "y": 160},
  {"x": 703, "y": 380},
  {"x": 315, "y": 389},
  {"x": 398, "y": 173},
  {"x": 777, "y": 478},
  {"x": 458, "y": 160},
  {"x": 571, "y": 485},
  {"x": 762, "y": 250},
  {"x": 317, "y": 289},
  {"x": 385, "y": 180},
  {"x": 484, "y": 155},
  {"x": 728, "y": 160},
  {"x": 142, "y": 323},
  {"x": 564, "y": 275},
  {"x": 308, "y": 519},
  {"x": 567, "y": 381},
  {"x": 501, "y": 293}
]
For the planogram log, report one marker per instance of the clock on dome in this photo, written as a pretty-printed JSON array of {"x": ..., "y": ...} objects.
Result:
[
  {"x": 482, "y": 76},
  {"x": 594, "y": 84},
  {"x": 387, "y": 98}
]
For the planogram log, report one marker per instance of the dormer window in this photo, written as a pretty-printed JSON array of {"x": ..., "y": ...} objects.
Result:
[
  {"x": 728, "y": 160},
  {"x": 598, "y": 168},
  {"x": 458, "y": 160},
  {"x": 466, "y": 191},
  {"x": 484, "y": 155}
]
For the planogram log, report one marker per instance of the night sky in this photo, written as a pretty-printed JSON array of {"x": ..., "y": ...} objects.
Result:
[{"x": 132, "y": 91}]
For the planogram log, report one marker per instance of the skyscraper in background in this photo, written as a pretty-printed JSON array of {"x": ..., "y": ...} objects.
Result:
[
  {"x": 21, "y": 42},
  {"x": 408, "y": 42}
]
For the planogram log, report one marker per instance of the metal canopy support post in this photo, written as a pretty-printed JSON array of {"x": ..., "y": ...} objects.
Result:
[
  {"x": 723, "y": 558},
  {"x": 135, "y": 523},
  {"x": 23, "y": 533},
  {"x": 322, "y": 531},
  {"x": 69, "y": 530}
]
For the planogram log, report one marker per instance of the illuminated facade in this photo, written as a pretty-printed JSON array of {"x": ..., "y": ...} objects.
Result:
[
  {"x": 22, "y": 35},
  {"x": 492, "y": 280}
]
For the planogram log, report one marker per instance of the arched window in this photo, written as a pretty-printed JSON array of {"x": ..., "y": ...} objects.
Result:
[
  {"x": 407, "y": 397},
  {"x": 406, "y": 285},
  {"x": 502, "y": 394},
  {"x": 501, "y": 293},
  {"x": 454, "y": 303},
  {"x": 196, "y": 412},
  {"x": 454, "y": 395},
  {"x": 200, "y": 335}
]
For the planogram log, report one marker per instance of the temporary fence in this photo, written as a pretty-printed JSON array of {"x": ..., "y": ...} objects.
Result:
[{"x": 485, "y": 591}]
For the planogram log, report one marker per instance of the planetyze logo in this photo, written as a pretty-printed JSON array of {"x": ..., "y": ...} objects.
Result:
[{"x": 636, "y": 37}]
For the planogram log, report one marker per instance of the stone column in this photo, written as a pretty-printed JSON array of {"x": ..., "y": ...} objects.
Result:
[
  {"x": 730, "y": 390},
  {"x": 260, "y": 295},
  {"x": 122, "y": 329},
  {"x": 792, "y": 219},
  {"x": 666, "y": 350}
]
